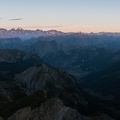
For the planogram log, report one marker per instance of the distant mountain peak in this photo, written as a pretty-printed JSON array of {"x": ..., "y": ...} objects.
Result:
[{"x": 27, "y": 34}]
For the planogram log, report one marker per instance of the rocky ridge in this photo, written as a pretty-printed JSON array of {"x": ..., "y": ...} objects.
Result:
[
  {"x": 55, "y": 82},
  {"x": 53, "y": 109}
]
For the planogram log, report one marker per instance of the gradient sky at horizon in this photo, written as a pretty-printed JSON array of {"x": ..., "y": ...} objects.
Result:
[{"x": 64, "y": 15}]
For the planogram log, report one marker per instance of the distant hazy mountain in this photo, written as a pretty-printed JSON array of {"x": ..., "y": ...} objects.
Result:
[
  {"x": 76, "y": 59},
  {"x": 27, "y": 34},
  {"x": 101, "y": 40},
  {"x": 10, "y": 43},
  {"x": 73, "y": 59}
]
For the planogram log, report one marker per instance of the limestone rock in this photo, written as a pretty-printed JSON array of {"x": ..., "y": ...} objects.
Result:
[
  {"x": 1, "y": 118},
  {"x": 21, "y": 114},
  {"x": 53, "y": 109},
  {"x": 102, "y": 117}
]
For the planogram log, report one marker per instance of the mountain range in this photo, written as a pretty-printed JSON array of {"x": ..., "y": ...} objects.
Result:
[
  {"x": 20, "y": 91},
  {"x": 101, "y": 39},
  {"x": 26, "y": 34},
  {"x": 76, "y": 60},
  {"x": 50, "y": 78}
]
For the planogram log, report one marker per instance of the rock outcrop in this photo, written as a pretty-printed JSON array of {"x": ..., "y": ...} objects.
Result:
[
  {"x": 53, "y": 109},
  {"x": 1, "y": 118},
  {"x": 55, "y": 82},
  {"x": 21, "y": 114},
  {"x": 40, "y": 77},
  {"x": 102, "y": 117}
]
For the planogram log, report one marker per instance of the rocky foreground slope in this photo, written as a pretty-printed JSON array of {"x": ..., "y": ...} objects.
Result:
[
  {"x": 53, "y": 109},
  {"x": 55, "y": 82},
  {"x": 61, "y": 85},
  {"x": 61, "y": 93}
]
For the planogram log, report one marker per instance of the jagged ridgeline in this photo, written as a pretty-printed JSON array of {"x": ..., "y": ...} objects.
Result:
[
  {"x": 14, "y": 61},
  {"x": 29, "y": 85},
  {"x": 33, "y": 86}
]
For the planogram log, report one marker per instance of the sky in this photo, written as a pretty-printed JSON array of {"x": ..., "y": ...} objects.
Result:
[{"x": 63, "y": 15}]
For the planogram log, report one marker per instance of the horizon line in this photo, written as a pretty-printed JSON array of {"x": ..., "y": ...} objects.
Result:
[{"x": 10, "y": 28}]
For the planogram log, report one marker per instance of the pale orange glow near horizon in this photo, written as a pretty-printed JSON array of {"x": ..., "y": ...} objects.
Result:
[
  {"x": 74, "y": 28},
  {"x": 63, "y": 15}
]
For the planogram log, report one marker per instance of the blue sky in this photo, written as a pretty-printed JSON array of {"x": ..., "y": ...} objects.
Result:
[{"x": 65, "y": 15}]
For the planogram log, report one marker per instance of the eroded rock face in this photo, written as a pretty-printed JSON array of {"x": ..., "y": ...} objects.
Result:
[
  {"x": 53, "y": 109},
  {"x": 1, "y": 118},
  {"x": 22, "y": 114},
  {"x": 102, "y": 117},
  {"x": 38, "y": 78},
  {"x": 55, "y": 82}
]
